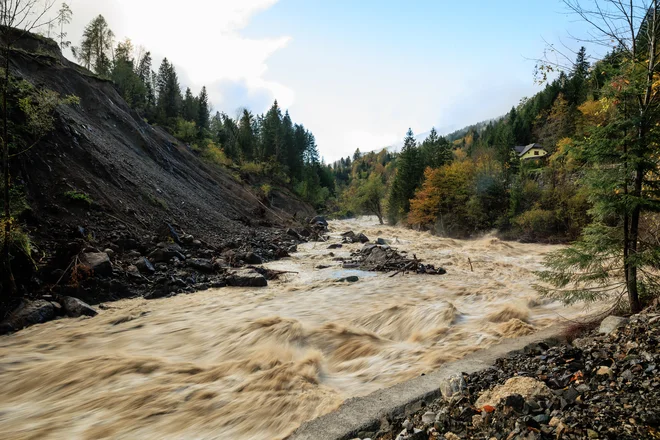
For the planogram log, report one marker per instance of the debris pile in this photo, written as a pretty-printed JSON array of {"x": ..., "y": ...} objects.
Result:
[{"x": 383, "y": 258}]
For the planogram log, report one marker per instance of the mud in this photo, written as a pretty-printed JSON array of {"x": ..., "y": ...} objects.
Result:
[{"x": 256, "y": 363}]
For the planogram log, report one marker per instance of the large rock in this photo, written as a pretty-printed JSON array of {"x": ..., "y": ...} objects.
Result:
[
  {"x": 73, "y": 307},
  {"x": 452, "y": 385},
  {"x": 145, "y": 266},
  {"x": 252, "y": 258},
  {"x": 319, "y": 220},
  {"x": 28, "y": 313},
  {"x": 526, "y": 387},
  {"x": 611, "y": 323},
  {"x": 201, "y": 264},
  {"x": 362, "y": 238},
  {"x": 246, "y": 278},
  {"x": 99, "y": 262}
]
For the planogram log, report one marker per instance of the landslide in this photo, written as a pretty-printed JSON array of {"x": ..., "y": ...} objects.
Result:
[{"x": 140, "y": 180}]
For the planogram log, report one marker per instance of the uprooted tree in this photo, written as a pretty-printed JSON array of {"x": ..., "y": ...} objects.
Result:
[{"x": 619, "y": 253}]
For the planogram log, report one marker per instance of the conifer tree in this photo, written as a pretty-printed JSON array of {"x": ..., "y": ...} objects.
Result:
[
  {"x": 408, "y": 177},
  {"x": 95, "y": 48},
  {"x": 203, "y": 112}
]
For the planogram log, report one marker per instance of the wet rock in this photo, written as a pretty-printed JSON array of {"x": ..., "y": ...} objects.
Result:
[
  {"x": 74, "y": 308},
  {"x": 144, "y": 266},
  {"x": 110, "y": 252},
  {"x": 382, "y": 241},
  {"x": 453, "y": 385},
  {"x": 335, "y": 246},
  {"x": 187, "y": 239},
  {"x": 99, "y": 262},
  {"x": 319, "y": 220},
  {"x": 362, "y": 238},
  {"x": 349, "y": 279},
  {"x": 611, "y": 323},
  {"x": 28, "y": 313},
  {"x": 246, "y": 278},
  {"x": 201, "y": 264},
  {"x": 428, "y": 417}
]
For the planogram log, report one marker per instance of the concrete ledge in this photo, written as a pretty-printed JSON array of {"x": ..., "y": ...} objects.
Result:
[{"x": 365, "y": 416}]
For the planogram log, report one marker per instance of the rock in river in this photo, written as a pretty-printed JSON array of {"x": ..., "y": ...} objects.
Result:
[
  {"x": 246, "y": 278},
  {"x": 99, "y": 262}
]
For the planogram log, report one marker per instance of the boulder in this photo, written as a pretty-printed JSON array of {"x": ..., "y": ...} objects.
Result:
[
  {"x": 201, "y": 264},
  {"x": 362, "y": 238},
  {"x": 335, "y": 246},
  {"x": 382, "y": 241},
  {"x": 292, "y": 233},
  {"x": 246, "y": 278},
  {"x": 145, "y": 266},
  {"x": 99, "y": 262},
  {"x": 349, "y": 279},
  {"x": 28, "y": 313},
  {"x": 611, "y": 323},
  {"x": 187, "y": 239},
  {"x": 452, "y": 385},
  {"x": 73, "y": 307},
  {"x": 319, "y": 220}
]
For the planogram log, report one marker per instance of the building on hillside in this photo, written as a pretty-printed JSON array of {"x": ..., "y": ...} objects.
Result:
[{"x": 530, "y": 152}]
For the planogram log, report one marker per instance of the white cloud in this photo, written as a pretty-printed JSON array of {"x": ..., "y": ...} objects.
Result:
[{"x": 201, "y": 38}]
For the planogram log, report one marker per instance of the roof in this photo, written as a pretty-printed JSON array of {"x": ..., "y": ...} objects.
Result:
[{"x": 527, "y": 148}]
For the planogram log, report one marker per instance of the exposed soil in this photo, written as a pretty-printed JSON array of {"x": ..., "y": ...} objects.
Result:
[{"x": 145, "y": 188}]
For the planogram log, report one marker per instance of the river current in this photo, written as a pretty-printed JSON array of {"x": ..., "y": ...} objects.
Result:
[{"x": 243, "y": 364}]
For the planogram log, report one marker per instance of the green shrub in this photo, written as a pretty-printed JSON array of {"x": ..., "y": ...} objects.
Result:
[{"x": 78, "y": 197}]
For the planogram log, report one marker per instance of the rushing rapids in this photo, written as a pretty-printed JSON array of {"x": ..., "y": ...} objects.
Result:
[{"x": 256, "y": 363}]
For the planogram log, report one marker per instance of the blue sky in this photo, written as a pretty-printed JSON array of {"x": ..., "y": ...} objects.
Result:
[{"x": 356, "y": 73}]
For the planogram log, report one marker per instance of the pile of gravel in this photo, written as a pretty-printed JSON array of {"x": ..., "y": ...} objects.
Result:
[{"x": 602, "y": 386}]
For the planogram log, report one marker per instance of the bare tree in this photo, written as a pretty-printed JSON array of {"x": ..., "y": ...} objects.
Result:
[{"x": 17, "y": 19}]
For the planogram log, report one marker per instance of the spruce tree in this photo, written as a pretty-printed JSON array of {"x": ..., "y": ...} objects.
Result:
[
  {"x": 409, "y": 174},
  {"x": 203, "y": 112}
]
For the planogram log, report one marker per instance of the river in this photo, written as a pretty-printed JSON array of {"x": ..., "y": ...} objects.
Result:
[{"x": 255, "y": 363}]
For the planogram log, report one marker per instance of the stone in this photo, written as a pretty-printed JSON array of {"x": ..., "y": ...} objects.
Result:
[
  {"x": 246, "y": 278},
  {"x": 165, "y": 254},
  {"x": 592, "y": 434},
  {"x": 110, "y": 252},
  {"x": 428, "y": 417},
  {"x": 527, "y": 387},
  {"x": 335, "y": 246},
  {"x": 452, "y": 386},
  {"x": 611, "y": 323},
  {"x": 74, "y": 308},
  {"x": 542, "y": 418},
  {"x": 201, "y": 264},
  {"x": 99, "y": 262},
  {"x": 349, "y": 279},
  {"x": 602, "y": 371},
  {"x": 196, "y": 243},
  {"x": 319, "y": 220},
  {"x": 382, "y": 241},
  {"x": 28, "y": 313},
  {"x": 145, "y": 266},
  {"x": 133, "y": 254},
  {"x": 187, "y": 239},
  {"x": 362, "y": 238},
  {"x": 292, "y": 233},
  {"x": 252, "y": 258}
]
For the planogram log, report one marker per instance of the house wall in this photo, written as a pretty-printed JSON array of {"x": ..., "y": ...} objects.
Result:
[{"x": 534, "y": 153}]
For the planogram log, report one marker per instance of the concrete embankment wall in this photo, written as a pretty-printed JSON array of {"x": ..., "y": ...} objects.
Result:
[{"x": 364, "y": 416}]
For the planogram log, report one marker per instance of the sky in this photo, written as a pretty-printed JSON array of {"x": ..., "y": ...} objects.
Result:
[{"x": 356, "y": 73}]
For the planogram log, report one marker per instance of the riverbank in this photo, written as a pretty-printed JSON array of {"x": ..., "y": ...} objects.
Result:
[{"x": 602, "y": 385}]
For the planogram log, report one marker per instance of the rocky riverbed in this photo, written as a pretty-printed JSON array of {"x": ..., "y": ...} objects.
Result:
[{"x": 602, "y": 385}]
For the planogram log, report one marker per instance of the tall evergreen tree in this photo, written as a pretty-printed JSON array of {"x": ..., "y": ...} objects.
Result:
[
  {"x": 95, "y": 48},
  {"x": 410, "y": 172},
  {"x": 271, "y": 135},
  {"x": 203, "y": 112}
]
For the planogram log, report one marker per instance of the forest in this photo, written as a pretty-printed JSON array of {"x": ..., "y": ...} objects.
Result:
[{"x": 269, "y": 145}]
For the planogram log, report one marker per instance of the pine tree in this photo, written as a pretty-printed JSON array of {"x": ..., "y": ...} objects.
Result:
[
  {"x": 64, "y": 17},
  {"x": 271, "y": 135},
  {"x": 189, "y": 110},
  {"x": 246, "y": 140},
  {"x": 169, "y": 94},
  {"x": 203, "y": 112},
  {"x": 410, "y": 171},
  {"x": 435, "y": 150}
]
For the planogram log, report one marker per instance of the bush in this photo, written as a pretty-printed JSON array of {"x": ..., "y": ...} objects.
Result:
[{"x": 78, "y": 198}]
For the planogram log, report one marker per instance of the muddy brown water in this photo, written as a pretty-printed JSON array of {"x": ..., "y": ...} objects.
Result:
[{"x": 256, "y": 363}]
